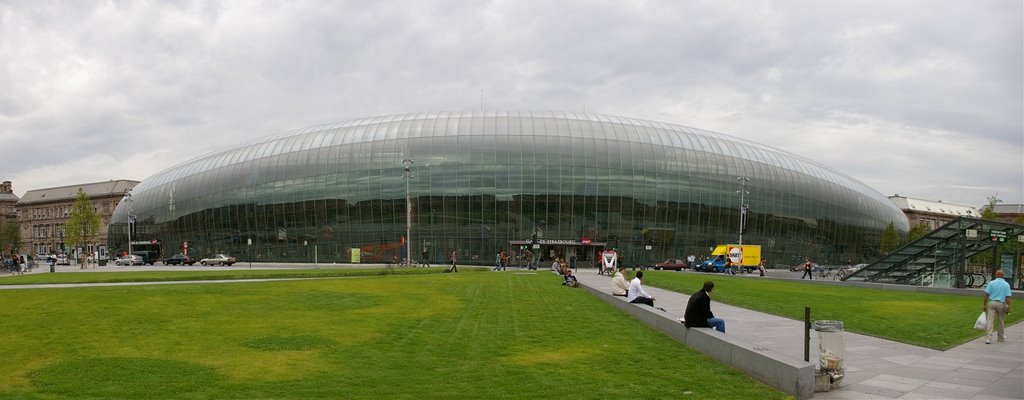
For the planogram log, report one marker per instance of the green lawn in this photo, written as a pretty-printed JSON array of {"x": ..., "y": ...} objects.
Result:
[
  {"x": 449, "y": 336},
  {"x": 930, "y": 320},
  {"x": 198, "y": 275}
]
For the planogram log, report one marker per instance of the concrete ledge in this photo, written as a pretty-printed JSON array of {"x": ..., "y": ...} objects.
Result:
[{"x": 794, "y": 377}]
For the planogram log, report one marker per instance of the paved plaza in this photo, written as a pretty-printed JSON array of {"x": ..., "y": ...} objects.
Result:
[{"x": 875, "y": 368}]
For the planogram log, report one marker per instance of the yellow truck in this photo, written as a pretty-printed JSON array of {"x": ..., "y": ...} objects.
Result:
[{"x": 746, "y": 256}]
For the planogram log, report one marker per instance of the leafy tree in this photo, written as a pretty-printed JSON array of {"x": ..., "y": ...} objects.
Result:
[
  {"x": 890, "y": 239},
  {"x": 10, "y": 237},
  {"x": 83, "y": 223},
  {"x": 989, "y": 211},
  {"x": 917, "y": 231}
]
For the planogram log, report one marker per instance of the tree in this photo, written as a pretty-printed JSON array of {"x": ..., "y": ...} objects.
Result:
[
  {"x": 917, "y": 231},
  {"x": 10, "y": 238},
  {"x": 890, "y": 239},
  {"x": 83, "y": 223},
  {"x": 989, "y": 211}
]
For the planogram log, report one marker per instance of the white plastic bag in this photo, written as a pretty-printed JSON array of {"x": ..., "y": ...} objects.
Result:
[{"x": 982, "y": 322}]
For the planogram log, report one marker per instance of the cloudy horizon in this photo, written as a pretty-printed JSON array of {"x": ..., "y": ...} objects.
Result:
[{"x": 924, "y": 99}]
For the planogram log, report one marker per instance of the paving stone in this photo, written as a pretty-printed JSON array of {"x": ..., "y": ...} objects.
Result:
[{"x": 882, "y": 369}]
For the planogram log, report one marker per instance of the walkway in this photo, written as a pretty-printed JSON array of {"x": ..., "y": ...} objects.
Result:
[{"x": 875, "y": 368}]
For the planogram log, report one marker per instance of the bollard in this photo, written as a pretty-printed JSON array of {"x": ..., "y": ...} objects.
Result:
[{"x": 807, "y": 334}]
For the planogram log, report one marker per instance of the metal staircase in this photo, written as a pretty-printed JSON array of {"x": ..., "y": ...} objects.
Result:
[{"x": 940, "y": 257}]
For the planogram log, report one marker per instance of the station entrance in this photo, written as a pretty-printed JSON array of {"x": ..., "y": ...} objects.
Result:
[{"x": 542, "y": 253}]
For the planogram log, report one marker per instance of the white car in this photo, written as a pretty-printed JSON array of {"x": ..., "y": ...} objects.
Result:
[
  {"x": 218, "y": 259},
  {"x": 129, "y": 260}
]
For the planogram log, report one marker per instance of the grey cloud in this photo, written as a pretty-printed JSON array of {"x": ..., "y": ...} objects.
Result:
[{"x": 172, "y": 80}]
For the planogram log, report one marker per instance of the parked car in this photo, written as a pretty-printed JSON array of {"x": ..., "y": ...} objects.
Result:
[
  {"x": 148, "y": 257},
  {"x": 129, "y": 260},
  {"x": 218, "y": 259},
  {"x": 717, "y": 264},
  {"x": 677, "y": 264},
  {"x": 179, "y": 259},
  {"x": 63, "y": 260}
]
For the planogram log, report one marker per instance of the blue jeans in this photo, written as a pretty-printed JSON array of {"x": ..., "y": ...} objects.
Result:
[{"x": 717, "y": 323}]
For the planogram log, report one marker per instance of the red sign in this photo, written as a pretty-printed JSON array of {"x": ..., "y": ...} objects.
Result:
[{"x": 585, "y": 241}]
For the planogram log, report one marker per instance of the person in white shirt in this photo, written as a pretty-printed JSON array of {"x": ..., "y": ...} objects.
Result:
[
  {"x": 636, "y": 293},
  {"x": 619, "y": 285}
]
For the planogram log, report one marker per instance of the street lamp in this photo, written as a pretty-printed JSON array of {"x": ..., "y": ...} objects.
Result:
[
  {"x": 408, "y": 209},
  {"x": 743, "y": 206},
  {"x": 131, "y": 218}
]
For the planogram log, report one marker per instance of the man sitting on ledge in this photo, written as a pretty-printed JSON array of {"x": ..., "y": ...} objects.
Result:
[
  {"x": 619, "y": 285},
  {"x": 698, "y": 310},
  {"x": 636, "y": 293}
]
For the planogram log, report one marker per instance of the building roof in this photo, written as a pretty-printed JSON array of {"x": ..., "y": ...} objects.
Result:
[
  {"x": 908, "y": 204},
  {"x": 9, "y": 197},
  {"x": 67, "y": 193},
  {"x": 1009, "y": 208}
]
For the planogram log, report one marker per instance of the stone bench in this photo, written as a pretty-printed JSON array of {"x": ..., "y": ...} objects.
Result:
[{"x": 792, "y": 376}]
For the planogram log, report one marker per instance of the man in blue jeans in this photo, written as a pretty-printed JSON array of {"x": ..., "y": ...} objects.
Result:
[{"x": 698, "y": 310}]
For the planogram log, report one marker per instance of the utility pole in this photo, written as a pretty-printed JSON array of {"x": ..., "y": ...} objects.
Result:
[
  {"x": 408, "y": 209},
  {"x": 131, "y": 219},
  {"x": 743, "y": 206}
]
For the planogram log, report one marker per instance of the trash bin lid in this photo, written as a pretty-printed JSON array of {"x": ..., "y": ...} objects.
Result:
[{"x": 828, "y": 326}]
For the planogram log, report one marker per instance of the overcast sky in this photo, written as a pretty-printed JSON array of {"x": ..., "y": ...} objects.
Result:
[{"x": 919, "y": 98}]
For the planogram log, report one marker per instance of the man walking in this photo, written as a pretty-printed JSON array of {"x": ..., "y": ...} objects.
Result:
[
  {"x": 997, "y": 305},
  {"x": 453, "y": 258},
  {"x": 808, "y": 270}
]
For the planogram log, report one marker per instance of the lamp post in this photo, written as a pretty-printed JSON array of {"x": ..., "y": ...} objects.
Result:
[
  {"x": 408, "y": 208},
  {"x": 743, "y": 206},
  {"x": 131, "y": 218}
]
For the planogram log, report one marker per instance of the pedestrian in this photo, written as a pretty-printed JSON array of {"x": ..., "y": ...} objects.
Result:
[
  {"x": 497, "y": 261},
  {"x": 572, "y": 261},
  {"x": 808, "y": 269},
  {"x": 426, "y": 262},
  {"x": 504, "y": 260},
  {"x": 997, "y": 305},
  {"x": 698, "y": 310},
  {"x": 760, "y": 267},
  {"x": 453, "y": 258}
]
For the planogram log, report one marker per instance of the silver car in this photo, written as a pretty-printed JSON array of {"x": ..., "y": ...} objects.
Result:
[
  {"x": 218, "y": 259},
  {"x": 129, "y": 260}
]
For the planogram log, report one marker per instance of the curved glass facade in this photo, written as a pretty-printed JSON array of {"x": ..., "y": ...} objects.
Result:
[{"x": 487, "y": 181}]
